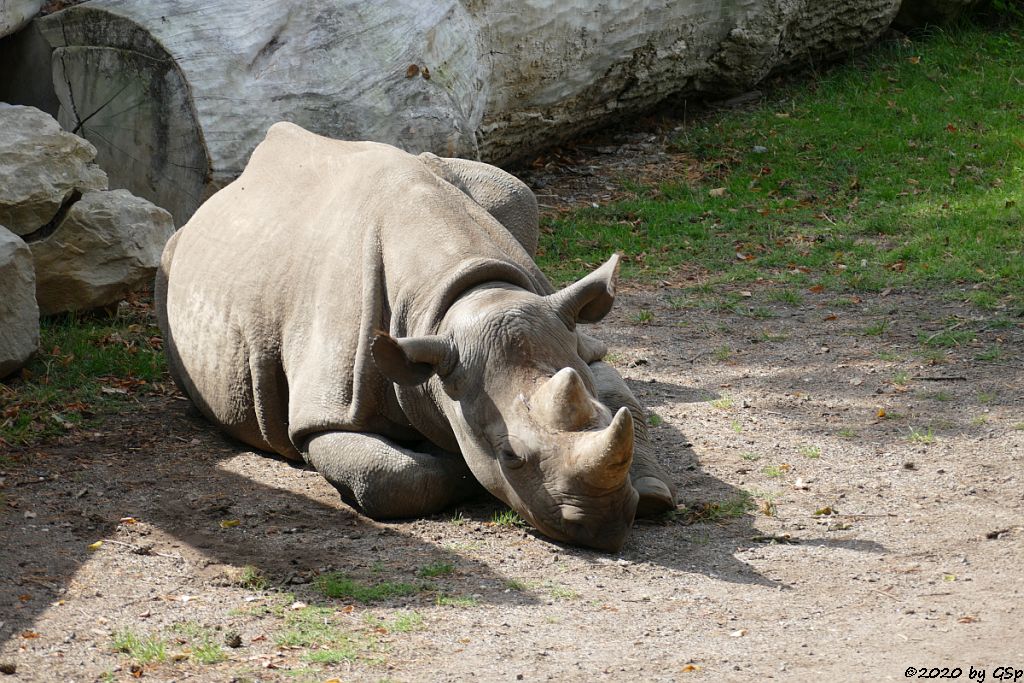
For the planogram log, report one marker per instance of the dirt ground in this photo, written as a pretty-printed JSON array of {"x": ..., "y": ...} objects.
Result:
[{"x": 854, "y": 506}]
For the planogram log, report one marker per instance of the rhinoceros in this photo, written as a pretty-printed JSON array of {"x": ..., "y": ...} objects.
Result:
[{"x": 380, "y": 316}]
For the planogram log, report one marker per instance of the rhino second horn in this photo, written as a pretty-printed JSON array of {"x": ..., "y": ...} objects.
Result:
[
  {"x": 603, "y": 458},
  {"x": 563, "y": 402}
]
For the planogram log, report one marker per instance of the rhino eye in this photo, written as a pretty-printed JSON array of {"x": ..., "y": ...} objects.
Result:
[{"x": 509, "y": 458}]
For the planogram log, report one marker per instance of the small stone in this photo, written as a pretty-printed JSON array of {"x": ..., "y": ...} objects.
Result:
[
  {"x": 8, "y": 668},
  {"x": 759, "y": 149}
]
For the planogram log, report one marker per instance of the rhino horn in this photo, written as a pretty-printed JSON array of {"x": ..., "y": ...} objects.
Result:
[
  {"x": 603, "y": 458},
  {"x": 589, "y": 299},
  {"x": 563, "y": 402}
]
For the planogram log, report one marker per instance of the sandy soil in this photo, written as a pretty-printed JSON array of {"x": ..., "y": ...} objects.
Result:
[{"x": 884, "y": 529}]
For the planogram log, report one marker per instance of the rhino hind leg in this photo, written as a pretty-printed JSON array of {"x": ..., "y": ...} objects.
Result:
[
  {"x": 650, "y": 479},
  {"x": 386, "y": 481}
]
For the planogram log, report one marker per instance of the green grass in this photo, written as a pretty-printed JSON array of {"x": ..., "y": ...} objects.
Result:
[
  {"x": 403, "y": 623},
  {"x": 252, "y": 578},
  {"x": 877, "y": 329},
  {"x": 328, "y": 642},
  {"x": 922, "y": 436},
  {"x": 335, "y": 585},
  {"x": 902, "y": 168},
  {"x": 86, "y": 367},
  {"x": 507, "y": 518},
  {"x": 456, "y": 601},
  {"x": 142, "y": 649},
  {"x": 436, "y": 569},
  {"x": 812, "y": 452},
  {"x": 514, "y": 585},
  {"x": 201, "y": 642},
  {"x": 717, "y": 511}
]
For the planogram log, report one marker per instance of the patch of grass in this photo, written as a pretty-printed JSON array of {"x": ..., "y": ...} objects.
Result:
[
  {"x": 654, "y": 420},
  {"x": 456, "y": 601},
  {"x": 946, "y": 339},
  {"x": 514, "y": 585},
  {"x": 336, "y": 585},
  {"x": 877, "y": 329},
  {"x": 143, "y": 649},
  {"x": 773, "y": 471},
  {"x": 558, "y": 592},
  {"x": 643, "y": 317},
  {"x": 203, "y": 648},
  {"x": 436, "y": 569},
  {"x": 508, "y": 518},
  {"x": 932, "y": 356},
  {"x": 990, "y": 354},
  {"x": 1019, "y": 427},
  {"x": 901, "y": 378},
  {"x": 458, "y": 518},
  {"x": 717, "y": 511},
  {"x": 722, "y": 403},
  {"x": 252, "y": 578},
  {"x": 812, "y": 452},
  {"x": 403, "y": 623},
  {"x": 919, "y": 436},
  {"x": 986, "y": 397},
  {"x": 722, "y": 354},
  {"x": 736, "y": 426},
  {"x": 772, "y": 337},
  {"x": 208, "y": 652},
  {"x": 750, "y": 456},
  {"x": 889, "y": 172},
  {"x": 86, "y": 367},
  {"x": 790, "y": 297},
  {"x": 888, "y": 356}
]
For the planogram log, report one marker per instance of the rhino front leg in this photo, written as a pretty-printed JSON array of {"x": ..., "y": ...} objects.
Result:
[
  {"x": 386, "y": 481},
  {"x": 651, "y": 480}
]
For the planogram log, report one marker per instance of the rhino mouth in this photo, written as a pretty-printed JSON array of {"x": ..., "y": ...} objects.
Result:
[{"x": 574, "y": 524}]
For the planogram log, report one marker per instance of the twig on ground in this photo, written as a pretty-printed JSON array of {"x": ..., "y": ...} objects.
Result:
[
  {"x": 147, "y": 551},
  {"x": 942, "y": 378}
]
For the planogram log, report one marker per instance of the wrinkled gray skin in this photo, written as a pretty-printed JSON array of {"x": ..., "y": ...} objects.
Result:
[{"x": 380, "y": 316}]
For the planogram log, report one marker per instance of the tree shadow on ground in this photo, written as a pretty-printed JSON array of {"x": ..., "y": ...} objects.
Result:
[{"x": 166, "y": 486}]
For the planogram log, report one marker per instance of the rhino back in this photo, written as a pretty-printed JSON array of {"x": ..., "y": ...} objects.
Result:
[{"x": 277, "y": 284}]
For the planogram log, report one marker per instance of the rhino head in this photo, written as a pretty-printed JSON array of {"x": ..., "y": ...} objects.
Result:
[{"x": 506, "y": 371}]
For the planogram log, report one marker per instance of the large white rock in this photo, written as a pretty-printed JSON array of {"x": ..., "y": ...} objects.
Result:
[
  {"x": 14, "y": 14},
  {"x": 175, "y": 94},
  {"x": 42, "y": 167},
  {"x": 19, "y": 315},
  {"x": 108, "y": 244}
]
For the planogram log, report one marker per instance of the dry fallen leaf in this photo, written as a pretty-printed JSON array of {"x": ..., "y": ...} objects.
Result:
[
  {"x": 717, "y": 192},
  {"x": 229, "y": 523},
  {"x": 412, "y": 71},
  {"x": 95, "y": 546}
]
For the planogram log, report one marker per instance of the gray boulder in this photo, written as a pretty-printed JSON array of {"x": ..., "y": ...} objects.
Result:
[
  {"x": 43, "y": 169},
  {"x": 14, "y": 14},
  {"x": 19, "y": 315},
  {"x": 108, "y": 244}
]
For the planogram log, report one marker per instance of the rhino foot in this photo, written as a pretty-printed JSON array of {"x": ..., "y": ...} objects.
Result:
[{"x": 655, "y": 497}]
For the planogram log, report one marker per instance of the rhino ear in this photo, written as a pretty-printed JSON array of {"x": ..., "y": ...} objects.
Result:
[
  {"x": 411, "y": 360},
  {"x": 588, "y": 300}
]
